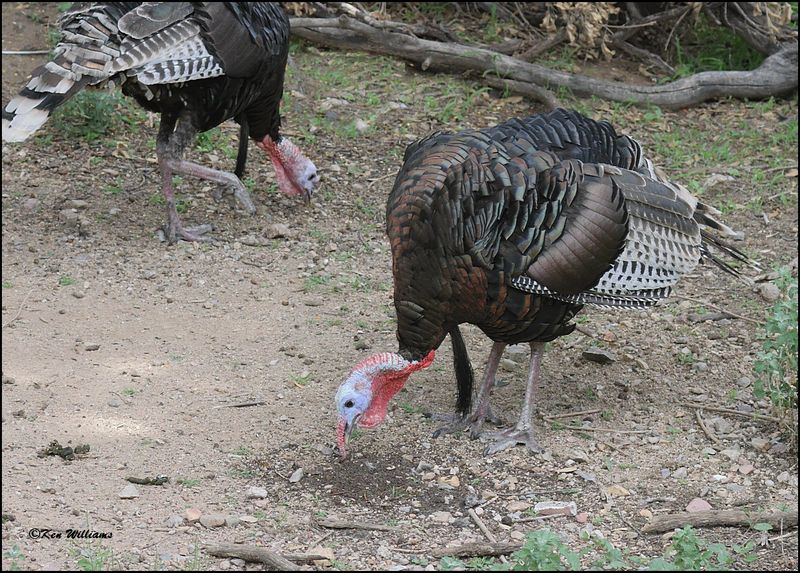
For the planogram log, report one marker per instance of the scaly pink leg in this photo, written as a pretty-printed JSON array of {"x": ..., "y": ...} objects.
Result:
[
  {"x": 170, "y": 145},
  {"x": 522, "y": 433},
  {"x": 482, "y": 411}
]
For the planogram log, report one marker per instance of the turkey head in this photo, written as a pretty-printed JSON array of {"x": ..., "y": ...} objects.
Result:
[{"x": 296, "y": 173}]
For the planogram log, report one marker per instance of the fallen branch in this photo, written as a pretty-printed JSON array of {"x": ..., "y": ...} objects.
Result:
[
  {"x": 726, "y": 518},
  {"x": 331, "y": 523},
  {"x": 482, "y": 526},
  {"x": 711, "y": 435},
  {"x": 777, "y": 75},
  {"x": 254, "y": 555},
  {"x": 19, "y": 310},
  {"x": 734, "y": 412},
  {"x": 571, "y": 414},
  {"x": 477, "y": 549},
  {"x": 717, "y": 308},
  {"x": 609, "y": 430}
]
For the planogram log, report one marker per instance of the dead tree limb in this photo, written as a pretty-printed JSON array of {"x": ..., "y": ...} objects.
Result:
[
  {"x": 776, "y": 76},
  {"x": 254, "y": 555},
  {"x": 477, "y": 549},
  {"x": 712, "y": 518}
]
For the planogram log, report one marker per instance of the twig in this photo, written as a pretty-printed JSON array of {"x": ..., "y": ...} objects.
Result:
[
  {"x": 25, "y": 52},
  {"x": 730, "y": 411},
  {"x": 571, "y": 414},
  {"x": 477, "y": 549},
  {"x": 341, "y": 524},
  {"x": 711, "y": 518},
  {"x": 304, "y": 557},
  {"x": 19, "y": 310},
  {"x": 252, "y": 554},
  {"x": 706, "y": 430},
  {"x": 482, "y": 526},
  {"x": 539, "y": 518},
  {"x": 320, "y": 539},
  {"x": 243, "y": 404},
  {"x": 610, "y": 430},
  {"x": 675, "y": 27},
  {"x": 720, "y": 309},
  {"x": 583, "y": 330}
]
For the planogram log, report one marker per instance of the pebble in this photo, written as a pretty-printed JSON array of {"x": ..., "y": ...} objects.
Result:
[
  {"x": 193, "y": 514},
  {"x": 518, "y": 506},
  {"x": 212, "y": 520},
  {"x": 278, "y": 230},
  {"x": 129, "y": 492},
  {"x": 760, "y": 444},
  {"x": 509, "y": 365},
  {"x": 441, "y": 516},
  {"x": 731, "y": 453},
  {"x": 746, "y": 469},
  {"x": 30, "y": 203},
  {"x": 174, "y": 521},
  {"x": 598, "y": 355},
  {"x": 560, "y": 507},
  {"x": 296, "y": 476},
  {"x": 616, "y": 490},
  {"x": 450, "y": 482},
  {"x": 254, "y": 492},
  {"x": 680, "y": 473},
  {"x": 91, "y": 347},
  {"x": 582, "y": 517},
  {"x": 769, "y": 292},
  {"x": 698, "y": 504}
]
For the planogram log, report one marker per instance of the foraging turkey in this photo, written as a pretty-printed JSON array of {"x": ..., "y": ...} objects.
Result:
[
  {"x": 197, "y": 64},
  {"x": 514, "y": 228}
]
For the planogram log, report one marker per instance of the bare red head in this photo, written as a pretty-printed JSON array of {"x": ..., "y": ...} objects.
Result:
[
  {"x": 363, "y": 398},
  {"x": 296, "y": 173}
]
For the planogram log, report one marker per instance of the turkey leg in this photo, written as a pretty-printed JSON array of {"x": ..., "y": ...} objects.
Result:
[
  {"x": 483, "y": 410},
  {"x": 522, "y": 433},
  {"x": 170, "y": 146}
]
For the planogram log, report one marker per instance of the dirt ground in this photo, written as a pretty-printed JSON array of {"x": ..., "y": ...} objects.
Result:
[{"x": 141, "y": 350}]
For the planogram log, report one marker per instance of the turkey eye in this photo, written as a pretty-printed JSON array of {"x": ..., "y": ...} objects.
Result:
[{"x": 348, "y": 404}]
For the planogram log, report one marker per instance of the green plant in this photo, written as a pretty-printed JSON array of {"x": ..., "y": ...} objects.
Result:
[
  {"x": 66, "y": 280},
  {"x": 15, "y": 555},
  {"x": 188, "y": 482},
  {"x": 776, "y": 365},
  {"x": 690, "y": 553},
  {"x": 94, "y": 559},
  {"x": 8, "y": 284},
  {"x": 93, "y": 113}
]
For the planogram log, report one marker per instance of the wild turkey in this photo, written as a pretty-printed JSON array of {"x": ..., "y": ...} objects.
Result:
[
  {"x": 196, "y": 63},
  {"x": 514, "y": 228}
]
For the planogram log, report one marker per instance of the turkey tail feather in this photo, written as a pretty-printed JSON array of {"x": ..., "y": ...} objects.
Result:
[{"x": 464, "y": 376}]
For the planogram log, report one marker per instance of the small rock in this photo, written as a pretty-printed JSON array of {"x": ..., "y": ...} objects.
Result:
[
  {"x": 578, "y": 455},
  {"x": 325, "y": 552},
  {"x": 616, "y": 490},
  {"x": 232, "y": 520},
  {"x": 441, "y": 516},
  {"x": 449, "y": 482},
  {"x": 518, "y": 505},
  {"x": 115, "y": 402},
  {"x": 192, "y": 515},
  {"x": 91, "y": 347},
  {"x": 361, "y": 126},
  {"x": 30, "y": 204},
  {"x": 278, "y": 230},
  {"x": 296, "y": 476},
  {"x": 698, "y": 504},
  {"x": 760, "y": 444},
  {"x": 599, "y": 355},
  {"x": 174, "y": 521},
  {"x": 783, "y": 477},
  {"x": 509, "y": 365},
  {"x": 680, "y": 473},
  {"x": 556, "y": 508},
  {"x": 77, "y": 204},
  {"x": 646, "y": 513},
  {"x": 129, "y": 492},
  {"x": 731, "y": 453},
  {"x": 716, "y": 178},
  {"x": 769, "y": 292},
  {"x": 582, "y": 517},
  {"x": 746, "y": 469},
  {"x": 212, "y": 520},
  {"x": 254, "y": 492}
]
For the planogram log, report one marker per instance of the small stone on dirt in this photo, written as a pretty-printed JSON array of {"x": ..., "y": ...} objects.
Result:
[
  {"x": 254, "y": 492},
  {"x": 129, "y": 492},
  {"x": 296, "y": 476},
  {"x": 616, "y": 490},
  {"x": 441, "y": 516},
  {"x": 278, "y": 230},
  {"x": 698, "y": 504},
  {"x": 91, "y": 347},
  {"x": 555, "y": 508},
  {"x": 513, "y": 506},
  {"x": 212, "y": 520},
  {"x": 174, "y": 521},
  {"x": 193, "y": 514},
  {"x": 769, "y": 292},
  {"x": 599, "y": 355},
  {"x": 760, "y": 444}
]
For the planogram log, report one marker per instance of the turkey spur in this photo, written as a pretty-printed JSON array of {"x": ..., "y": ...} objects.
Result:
[
  {"x": 198, "y": 64},
  {"x": 514, "y": 228}
]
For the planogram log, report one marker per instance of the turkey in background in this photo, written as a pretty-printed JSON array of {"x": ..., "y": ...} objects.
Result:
[
  {"x": 197, "y": 64},
  {"x": 514, "y": 228}
]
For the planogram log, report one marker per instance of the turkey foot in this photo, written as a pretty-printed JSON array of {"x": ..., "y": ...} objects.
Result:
[
  {"x": 174, "y": 230},
  {"x": 510, "y": 438},
  {"x": 456, "y": 423},
  {"x": 228, "y": 183}
]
